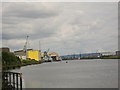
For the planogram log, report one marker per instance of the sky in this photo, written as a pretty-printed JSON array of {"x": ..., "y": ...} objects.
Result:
[{"x": 62, "y": 27}]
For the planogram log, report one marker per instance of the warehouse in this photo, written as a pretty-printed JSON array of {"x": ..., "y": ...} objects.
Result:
[
  {"x": 54, "y": 56},
  {"x": 21, "y": 53},
  {"x": 34, "y": 55}
]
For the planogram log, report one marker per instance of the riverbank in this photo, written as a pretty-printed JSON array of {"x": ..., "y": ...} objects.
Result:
[
  {"x": 22, "y": 63},
  {"x": 33, "y": 62}
]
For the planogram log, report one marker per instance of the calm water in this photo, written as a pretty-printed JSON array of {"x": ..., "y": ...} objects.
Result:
[{"x": 74, "y": 74}]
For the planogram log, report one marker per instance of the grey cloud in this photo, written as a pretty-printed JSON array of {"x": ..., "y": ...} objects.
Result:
[
  {"x": 42, "y": 34},
  {"x": 22, "y": 11},
  {"x": 62, "y": 27},
  {"x": 30, "y": 14},
  {"x": 18, "y": 13}
]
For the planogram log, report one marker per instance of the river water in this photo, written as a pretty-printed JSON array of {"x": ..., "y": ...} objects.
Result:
[{"x": 94, "y": 73}]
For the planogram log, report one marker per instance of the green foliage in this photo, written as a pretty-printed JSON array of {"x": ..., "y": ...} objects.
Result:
[
  {"x": 9, "y": 59},
  {"x": 110, "y": 57},
  {"x": 29, "y": 62}
]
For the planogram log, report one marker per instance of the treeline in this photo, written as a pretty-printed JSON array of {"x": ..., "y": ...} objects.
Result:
[{"x": 10, "y": 61}]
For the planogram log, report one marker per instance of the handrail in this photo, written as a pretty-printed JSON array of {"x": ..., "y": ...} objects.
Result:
[{"x": 11, "y": 80}]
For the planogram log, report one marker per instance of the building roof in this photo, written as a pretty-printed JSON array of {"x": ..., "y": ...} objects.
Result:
[
  {"x": 22, "y": 50},
  {"x": 5, "y": 49}
]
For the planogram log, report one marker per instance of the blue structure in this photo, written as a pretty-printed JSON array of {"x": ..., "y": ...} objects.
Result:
[{"x": 76, "y": 56}]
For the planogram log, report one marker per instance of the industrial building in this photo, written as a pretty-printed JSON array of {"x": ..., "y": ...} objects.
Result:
[
  {"x": 34, "y": 55},
  {"x": 50, "y": 56},
  {"x": 21, "y": 53},
  {"x": 37, "y": 55},
  {"x": 5, "y": 49},
  {"x": 108, "y": 53},
  {"x": 54, "y": 56},
  {"x": 29, "y": 54}
]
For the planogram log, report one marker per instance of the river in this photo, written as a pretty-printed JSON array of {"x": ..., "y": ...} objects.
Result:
[{"x": 94, "y": 73}]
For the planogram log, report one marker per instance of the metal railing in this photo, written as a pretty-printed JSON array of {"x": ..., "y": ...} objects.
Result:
[{"x": 11, "y": 81}]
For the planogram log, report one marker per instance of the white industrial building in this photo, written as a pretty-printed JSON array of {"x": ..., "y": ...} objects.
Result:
[{"x": 108, "y": 53}]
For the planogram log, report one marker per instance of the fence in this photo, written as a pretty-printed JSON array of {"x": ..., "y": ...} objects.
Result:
[{"x": 11, "y": 81}]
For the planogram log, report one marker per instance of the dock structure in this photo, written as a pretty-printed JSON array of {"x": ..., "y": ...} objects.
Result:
[{"x": 11, "y": 81}]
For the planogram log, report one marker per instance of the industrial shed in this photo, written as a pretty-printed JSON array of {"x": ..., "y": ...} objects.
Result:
[
  {"x": 54, "y": 56},
  {"x": 34, "y": 55}
]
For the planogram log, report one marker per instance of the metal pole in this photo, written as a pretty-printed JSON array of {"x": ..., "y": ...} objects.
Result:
[
  {"x": 10, "y": 78},
  {"x": 17, "y": 80},
  {"x": 13, "y": 81},
  {"x": 20, "y": 81}
]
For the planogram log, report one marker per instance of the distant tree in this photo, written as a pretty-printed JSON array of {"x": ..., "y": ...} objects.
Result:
[{"x": 9, "y": 58}]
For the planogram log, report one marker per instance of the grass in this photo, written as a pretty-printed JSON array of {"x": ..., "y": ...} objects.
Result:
[{"x": 110, "y": 57}]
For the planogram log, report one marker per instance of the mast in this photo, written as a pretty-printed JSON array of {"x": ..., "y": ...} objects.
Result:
[
  {"x": 25, "y": 46},
  {"x": 39, "y": 46},
  {"x": 80, "y": 55}
]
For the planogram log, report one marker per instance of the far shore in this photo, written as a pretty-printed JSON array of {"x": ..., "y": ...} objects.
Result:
[{"x": 33, "y": 62}]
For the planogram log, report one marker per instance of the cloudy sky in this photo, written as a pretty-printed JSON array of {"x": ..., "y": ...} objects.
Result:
[{"x": 65, "y": 28}]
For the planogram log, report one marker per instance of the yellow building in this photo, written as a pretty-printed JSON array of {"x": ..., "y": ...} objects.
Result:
[{"x": 34, "y": 55}]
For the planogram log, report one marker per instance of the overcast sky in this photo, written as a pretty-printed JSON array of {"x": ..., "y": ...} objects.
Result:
[{"x": 65, "y": 28}]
